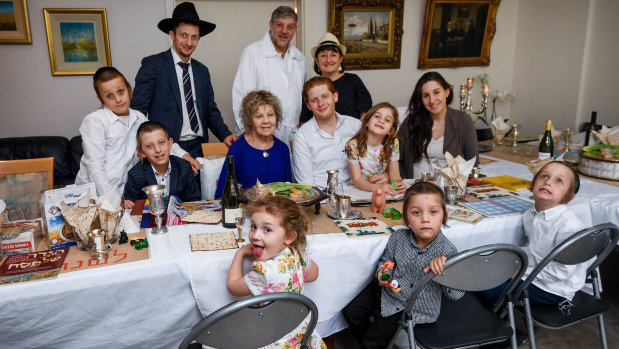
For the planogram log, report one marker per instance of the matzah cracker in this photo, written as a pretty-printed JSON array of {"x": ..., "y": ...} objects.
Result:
[
  {"x": 81, "y": 219},
  {"x": 205, "y": 217},
  {"x": 213, "y": 241}
]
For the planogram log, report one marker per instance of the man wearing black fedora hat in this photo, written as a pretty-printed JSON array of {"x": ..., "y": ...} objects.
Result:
[{"x": 175, "y": 90}]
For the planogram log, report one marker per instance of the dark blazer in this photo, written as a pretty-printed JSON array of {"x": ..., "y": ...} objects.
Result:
[
  {"x": 182, "y": 180},
  {"x": 157, "y": 95},
  {"x": 460, "y": 139}
]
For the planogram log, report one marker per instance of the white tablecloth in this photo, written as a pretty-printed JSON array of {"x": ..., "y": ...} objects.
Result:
[{"x": 151, "y": 304}]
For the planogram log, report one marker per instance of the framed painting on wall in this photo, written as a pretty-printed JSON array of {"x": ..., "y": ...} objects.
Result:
[
  {"x": 77, "y": 40},
  {"x": 457, "y": 33},
  {"x": 14, "y": 23},
  {"x": 372, "y": 33}
]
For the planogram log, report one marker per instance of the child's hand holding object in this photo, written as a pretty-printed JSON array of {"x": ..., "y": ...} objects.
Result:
[{"x": 384, "y": 277}]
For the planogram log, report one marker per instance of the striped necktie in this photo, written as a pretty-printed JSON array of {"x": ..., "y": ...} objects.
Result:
[{"x": 191, "y": 110}]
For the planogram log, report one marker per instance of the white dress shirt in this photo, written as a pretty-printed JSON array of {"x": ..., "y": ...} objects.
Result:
[
  {"x": 163, "y": 180},
  {"x": 187, "y": 133},
  {"x": 316, "y": 151},
  {"x": 110, "y": 149},
  {"x": 263, "y": 68},
  {"x": 546, "y": 230}
]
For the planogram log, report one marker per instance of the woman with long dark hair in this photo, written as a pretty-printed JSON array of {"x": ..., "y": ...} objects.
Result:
[{"x": 432, "y": 128}]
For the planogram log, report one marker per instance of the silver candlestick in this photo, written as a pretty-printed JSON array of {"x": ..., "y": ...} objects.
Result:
[
  {"x": 156, "y": 206},
  {"x": 466, "y": 94}
]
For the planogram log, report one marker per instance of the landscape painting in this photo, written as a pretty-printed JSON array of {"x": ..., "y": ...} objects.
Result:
[
  {"x": 372, "y": 33},
  {"x": 14, "y": 23},
  {"x": 366, "y": 32},
  {"x": 7, "y": 16},
  {"x": 77, "y": 40}
]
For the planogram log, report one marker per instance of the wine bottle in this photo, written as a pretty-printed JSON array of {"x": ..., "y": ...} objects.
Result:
[
  {"x": 231, "y": 197},
  {"x": 546, "y": 145},
  {"x": 591, "y": 126}
]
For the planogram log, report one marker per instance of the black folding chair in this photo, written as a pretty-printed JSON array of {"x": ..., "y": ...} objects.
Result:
[
  {"x": 252, "y": 323},
  {"x": 586, "y": 244},
  {"x": 467, "y": 321}
]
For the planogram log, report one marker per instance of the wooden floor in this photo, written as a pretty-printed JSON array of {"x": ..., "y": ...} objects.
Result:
[{"x": 584, "y": 335}]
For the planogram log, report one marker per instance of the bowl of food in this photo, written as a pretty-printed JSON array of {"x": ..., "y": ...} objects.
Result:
[
  {"x": 600, "y": 161},
  {"x": 298, "y": 192}
]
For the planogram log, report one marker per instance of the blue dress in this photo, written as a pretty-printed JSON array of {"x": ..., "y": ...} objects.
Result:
[{"x": 250, "y": 164}]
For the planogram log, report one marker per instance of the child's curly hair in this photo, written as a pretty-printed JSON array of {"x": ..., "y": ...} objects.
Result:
[{"x": 292, "y": 217}]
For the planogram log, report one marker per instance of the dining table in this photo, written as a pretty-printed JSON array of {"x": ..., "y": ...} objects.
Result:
[{"x": 153, "y": 303}]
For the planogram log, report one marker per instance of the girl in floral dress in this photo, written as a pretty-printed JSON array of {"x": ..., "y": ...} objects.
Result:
[
  {"x": 277, "y": 242},
  {"x": 373, "y": 153}
]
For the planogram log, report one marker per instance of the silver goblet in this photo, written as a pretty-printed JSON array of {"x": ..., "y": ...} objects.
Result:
[{"x": 156, "y": 206}]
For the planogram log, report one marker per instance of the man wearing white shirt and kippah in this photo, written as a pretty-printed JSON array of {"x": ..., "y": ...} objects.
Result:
[{"x": 273, "y": 64}]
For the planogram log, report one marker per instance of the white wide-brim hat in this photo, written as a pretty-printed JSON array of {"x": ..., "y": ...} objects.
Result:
[{"x": 328, "y": 40}]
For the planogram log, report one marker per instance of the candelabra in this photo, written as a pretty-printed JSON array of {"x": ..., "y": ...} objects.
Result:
[{"x": 466, "y": 103}]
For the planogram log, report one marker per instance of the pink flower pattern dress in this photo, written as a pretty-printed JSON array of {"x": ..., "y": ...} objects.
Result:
[
  {"x": 372, "y": 161},
  {"x": 284, "y": 272}
]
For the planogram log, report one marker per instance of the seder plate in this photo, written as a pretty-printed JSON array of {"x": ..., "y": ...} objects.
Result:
[{"x": 312, "y": 195}]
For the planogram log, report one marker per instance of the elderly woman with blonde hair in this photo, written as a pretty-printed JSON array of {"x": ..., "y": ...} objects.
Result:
[{"x": 258, "y": 155}]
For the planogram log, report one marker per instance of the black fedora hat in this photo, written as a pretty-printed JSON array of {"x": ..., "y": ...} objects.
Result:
[{"x": 185, "y": 12}]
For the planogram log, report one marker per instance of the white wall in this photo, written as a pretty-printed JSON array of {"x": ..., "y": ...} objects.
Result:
[
  {"x": 598, "y": 88},
  {"x": 549, "y": 57},
  {"x": 35, "y": 103}
]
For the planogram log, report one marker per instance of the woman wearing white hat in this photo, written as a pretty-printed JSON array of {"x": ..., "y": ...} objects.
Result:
[{"x": 354, "y": 99}]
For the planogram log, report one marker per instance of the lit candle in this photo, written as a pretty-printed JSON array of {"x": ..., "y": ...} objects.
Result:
[
  {"x": 469, "y": 81},
  {"x": 462, "y": 89},
  {"x": 485, "y": 89}
]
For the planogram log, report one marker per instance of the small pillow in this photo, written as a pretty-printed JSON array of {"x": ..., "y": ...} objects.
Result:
[{"x": 209, "y": 174}]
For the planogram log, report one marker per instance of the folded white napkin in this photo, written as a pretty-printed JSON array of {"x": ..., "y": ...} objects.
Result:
[
  {"x": 499, "y": 128},
  {"x": 457, "y": 171}
]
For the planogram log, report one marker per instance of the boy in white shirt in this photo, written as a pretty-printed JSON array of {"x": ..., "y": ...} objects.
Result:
[{"x": 546, "y": 225}]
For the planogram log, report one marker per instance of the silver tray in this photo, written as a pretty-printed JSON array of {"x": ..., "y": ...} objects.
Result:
[
  {"x": 352, "y": 214},
  {"x": 312, "y": 195}
]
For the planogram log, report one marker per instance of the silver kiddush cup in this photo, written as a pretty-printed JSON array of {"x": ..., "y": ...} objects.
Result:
[
  {"x": 343, "y": 206},
  {"x": 157, "y": 206},
  {"x": 331, "y": 182}
]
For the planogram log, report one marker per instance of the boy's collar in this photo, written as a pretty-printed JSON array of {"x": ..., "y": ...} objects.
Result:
[{"x": 551, "y": 213}]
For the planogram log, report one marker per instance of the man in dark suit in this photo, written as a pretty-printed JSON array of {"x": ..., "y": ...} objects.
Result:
[{"x": 176, "y": 91}]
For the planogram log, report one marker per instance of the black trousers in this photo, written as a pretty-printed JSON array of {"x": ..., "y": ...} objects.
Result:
[{"x": 363, "y": 317}]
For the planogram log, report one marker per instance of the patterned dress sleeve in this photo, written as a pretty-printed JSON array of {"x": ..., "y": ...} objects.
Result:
[
  {"x": 395, "y": 150},
  {"x": 352, "y": 152},
  {"x": 256, "y": 279}
]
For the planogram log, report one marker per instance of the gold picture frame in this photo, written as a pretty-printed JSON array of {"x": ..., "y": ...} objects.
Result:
[
  {"x": 14, "y": 22},
  {"x": 457, "y": 33},
  {"x": 77, "y": 40},
  {"x": 371, "y": 31}
]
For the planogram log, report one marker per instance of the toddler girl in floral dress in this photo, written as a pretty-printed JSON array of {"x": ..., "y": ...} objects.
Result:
[{"x": 277, "y": 242}]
